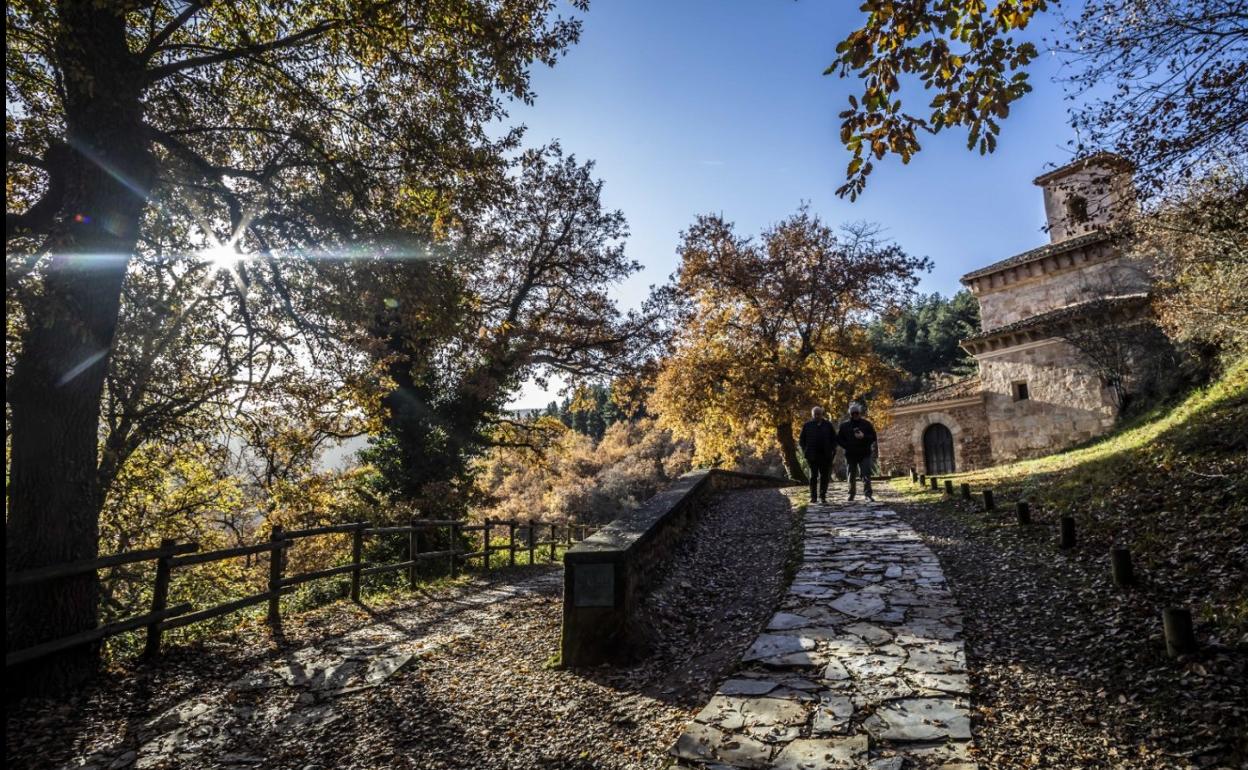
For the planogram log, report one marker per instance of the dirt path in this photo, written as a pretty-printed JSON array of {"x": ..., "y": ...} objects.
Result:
[{"x": 458, "y": 679}]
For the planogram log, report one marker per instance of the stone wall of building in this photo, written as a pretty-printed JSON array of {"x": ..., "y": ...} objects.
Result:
[
  {"x": 901, "y": 443},
  {"x": 1066, "y": 401},
  {"x": 1102, "y": 274}
]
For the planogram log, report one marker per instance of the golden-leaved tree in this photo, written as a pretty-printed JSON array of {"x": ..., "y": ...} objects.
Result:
[{"x": 765, "y": 329}]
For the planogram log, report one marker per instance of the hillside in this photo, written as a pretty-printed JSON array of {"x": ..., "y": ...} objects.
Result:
[{"x": 1172, "y": 485}]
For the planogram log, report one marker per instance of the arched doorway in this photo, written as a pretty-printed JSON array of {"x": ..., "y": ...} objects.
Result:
[{"x": 938, "y": 449}]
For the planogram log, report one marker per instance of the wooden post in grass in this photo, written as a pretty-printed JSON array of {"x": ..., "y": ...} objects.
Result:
[
  {"x": 989, "y": 503},
  {"x": 569, "y": 534},
  {"x": 413, "y": 548},
  {"x": 914, "y": 476},
  {"x": 966, "y": 491},
  {"x": 922, "y": 480},
  {"x": 160, "y": 598},
  {"x": 1068, "y": 533},
  {"x": 935, "y": 481},
  {"x": 554, "y": 538},
  {"x": 1024, "y": 512},
  {"x": 949, "y": 488},
  {"x": 485, "y": 545},
  {"x": 1120, "y": 566},
  {"x": 511, "y": 542},
  {"x": 532, "y": 542},
  {"x": 1180, "y": 638},
  {"x": 275, "y": 575},
  {"x": 357, "y": 555}
]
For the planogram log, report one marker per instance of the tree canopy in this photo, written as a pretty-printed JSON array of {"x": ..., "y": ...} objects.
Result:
[
  {"x": 921, "y": 338},
  {"x": 763, "y": 330},
  {"x": 1163, "y": 84}
]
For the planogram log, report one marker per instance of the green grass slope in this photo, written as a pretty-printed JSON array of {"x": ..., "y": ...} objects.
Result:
[{"x": 1171, "y": 485}]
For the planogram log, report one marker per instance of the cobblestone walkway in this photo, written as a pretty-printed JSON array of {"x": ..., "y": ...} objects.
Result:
[{"x": 861, "y": 667}]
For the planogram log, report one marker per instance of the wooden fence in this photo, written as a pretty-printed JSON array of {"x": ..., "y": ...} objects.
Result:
[{"x": 521, "y": 536}]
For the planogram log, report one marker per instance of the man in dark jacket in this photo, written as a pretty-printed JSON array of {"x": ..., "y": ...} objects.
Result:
[
  {"x": 857, "y": 435},
  {"x": 818, "y": 443}
]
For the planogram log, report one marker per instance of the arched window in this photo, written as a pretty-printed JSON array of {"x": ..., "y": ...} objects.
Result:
[
  {"x": 1077, "y": 209},
  {"x": 938, "y": 449}
]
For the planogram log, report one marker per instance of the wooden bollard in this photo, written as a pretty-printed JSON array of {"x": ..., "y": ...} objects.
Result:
[
  {"x": 511, "y": 543},
  {"x": 935, "y": 482},
  {"x": 922, "y": 479},
  {"x": 554, "y": 539},
  {"x": 914, "y": 476},
  {"x": 1120, "y": 566},
  {"x": 532, "y": 532},
  {"x": 1068, "y": 533},
  {"x": 989, "y": 503},
  {"x": 1177, "y": 625},
  {"x": 949, "y": 488},
  {"x": 1024, "y": 512},
  {"x": 966, "y": 491}
]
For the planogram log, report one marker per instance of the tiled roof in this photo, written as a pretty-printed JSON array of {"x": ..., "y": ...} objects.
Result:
[
  {"x": 1061, "y": 314},
  {"x": 1048, "y": 250},
  {"x": 1096, "y": 159},
  {"x": 965, "y": 387}
]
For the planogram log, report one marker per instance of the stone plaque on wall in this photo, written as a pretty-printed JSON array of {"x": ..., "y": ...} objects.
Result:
[{"x": 593, "y": 585}]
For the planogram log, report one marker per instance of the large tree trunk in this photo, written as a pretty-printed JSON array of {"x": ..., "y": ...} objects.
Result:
[
  {"x": 58, "y": 377},
  {"x": 788, "y": 451}
]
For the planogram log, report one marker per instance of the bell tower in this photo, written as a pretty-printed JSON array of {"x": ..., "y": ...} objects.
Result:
[{"x": 1088, "y": 195}]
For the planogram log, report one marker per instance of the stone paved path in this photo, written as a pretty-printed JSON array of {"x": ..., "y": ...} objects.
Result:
[{"x": 861, "y": 667}]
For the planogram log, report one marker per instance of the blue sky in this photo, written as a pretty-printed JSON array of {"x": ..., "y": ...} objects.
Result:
[{"x": 696, "y": 106}]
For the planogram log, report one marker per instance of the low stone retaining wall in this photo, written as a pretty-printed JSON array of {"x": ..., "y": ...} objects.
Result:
[{"x": 606, "y": 574}]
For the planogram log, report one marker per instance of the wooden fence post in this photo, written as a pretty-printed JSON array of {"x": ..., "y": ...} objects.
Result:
[
  {"x": 453, "y": 547},
  {"x": 1068, "y": 533},
  {"x": 532, "y": 532},
  {"x": 1024, "y": 512},
  {"x": 413, "y": 549},
  {"x": 511, "y": 542},
  {"x": 554, "y": 538},
  {"x": 922, "y": 479},
  {"x": 914, "y": 476},
  {"x": 989, "y": 503},
  {"x": 966, "y": 491},
  {"x": 1120, "y": 566},
  {"x": 485, "y": 547},
  {"x": 277, "y": 555},
  {"x": 357, "y": 555},
  {"x": 934, "y": 481},
  {"x": 569, "y": 534},
  {"x": 160, "y": 599},
  {"x": 949, "y": 488}
]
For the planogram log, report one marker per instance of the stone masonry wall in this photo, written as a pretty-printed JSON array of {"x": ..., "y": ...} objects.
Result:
[
  {"x": 1067, "y": 403},
  {"x": 1051, "y": 291},
  {"x": 901, "y": 443}
]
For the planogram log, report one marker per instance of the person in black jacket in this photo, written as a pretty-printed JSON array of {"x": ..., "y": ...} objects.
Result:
[
  {"x": 857, "y": 435},
  {"x": 818, "y": 443}
]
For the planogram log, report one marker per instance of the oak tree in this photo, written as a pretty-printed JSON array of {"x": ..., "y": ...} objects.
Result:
[{"x": 765, "y": 329}]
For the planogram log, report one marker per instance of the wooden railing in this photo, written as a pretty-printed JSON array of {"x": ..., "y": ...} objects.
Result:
[{"x": 172, "y": 555}]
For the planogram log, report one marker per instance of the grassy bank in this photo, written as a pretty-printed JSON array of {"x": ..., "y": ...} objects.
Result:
[{"x": 1172, "y": 485}]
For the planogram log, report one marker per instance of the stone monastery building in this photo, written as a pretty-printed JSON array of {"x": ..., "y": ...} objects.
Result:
[{"x": 1035, "y": 393}]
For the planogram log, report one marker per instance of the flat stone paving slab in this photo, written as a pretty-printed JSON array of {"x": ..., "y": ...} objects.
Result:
[{"x": 862, "y": 666}]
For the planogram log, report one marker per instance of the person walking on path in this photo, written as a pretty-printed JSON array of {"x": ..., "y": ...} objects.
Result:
[
  {"x": 857, "y": 435},
  {"x": 818, "y": 443}
]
